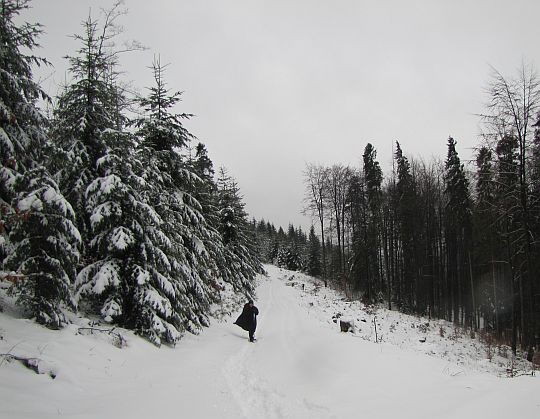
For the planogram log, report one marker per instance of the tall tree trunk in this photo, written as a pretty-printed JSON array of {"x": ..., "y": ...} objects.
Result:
[{"x": 473, "y": 317}]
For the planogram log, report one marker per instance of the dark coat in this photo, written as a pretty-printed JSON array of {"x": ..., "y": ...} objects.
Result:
[{"x": 248, "y": 319}]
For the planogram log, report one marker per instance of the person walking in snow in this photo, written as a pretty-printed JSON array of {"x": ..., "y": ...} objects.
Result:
[{"x": 248, "y": 319}]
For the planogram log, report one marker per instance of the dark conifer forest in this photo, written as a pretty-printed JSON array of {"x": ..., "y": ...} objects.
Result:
[{"x": 445, "y": 239}]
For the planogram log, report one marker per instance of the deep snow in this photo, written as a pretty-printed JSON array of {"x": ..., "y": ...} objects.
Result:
[{"x": 302, "y": 366}]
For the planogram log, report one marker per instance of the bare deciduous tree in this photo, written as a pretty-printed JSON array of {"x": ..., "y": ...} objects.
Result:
[
  {"x": 316, "y": 178},
  {"x": 513, "y": 108}
]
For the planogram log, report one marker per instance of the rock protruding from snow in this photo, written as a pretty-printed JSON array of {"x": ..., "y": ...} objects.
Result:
[{"x": 346, "y": 325}]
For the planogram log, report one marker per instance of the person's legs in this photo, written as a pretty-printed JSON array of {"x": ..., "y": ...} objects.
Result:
[{"x": 251, "y": 335}]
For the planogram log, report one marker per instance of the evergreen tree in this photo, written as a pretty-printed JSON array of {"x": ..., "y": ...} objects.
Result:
[
  {"x": 407, "y": 213},
  {"x": 202, "y": 165},
  {"x": 130, "y": 280},
  {"x": 45, "y": 248},
  {"x": 279, "y": 241},
  {"x": 21, "y": 135},
  {"x": 292, "y": 253},
  {"x": 458, "y": 231},
  {"x": 357, "y": 207},
  {"x": 204, "y": 189},
  {"x": 162, "y": 130},
  {"x": 185, "y": 257},
  {"x": 314, "y": 257},
  {"x": 85, "y": 111},
  {"x": 297, "y": 242},
  {"x": 507, "y": 198},
  {"x": 42, "y": 244},
  {"x": 373, "y": 179},
  {"x": 486, "y": 240},
  {"x": 265, "y": 239},
  {"x": 242, "y": 260}
]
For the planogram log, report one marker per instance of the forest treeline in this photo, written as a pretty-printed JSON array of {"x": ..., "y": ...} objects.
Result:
[
  {"x": 293, "y": 250},
  {"x": 440, "y": 238},
  {"x": 109, "y": 205}
]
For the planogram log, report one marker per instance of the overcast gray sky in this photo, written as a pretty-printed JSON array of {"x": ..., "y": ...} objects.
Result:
[{"x": 275, "y": 84}]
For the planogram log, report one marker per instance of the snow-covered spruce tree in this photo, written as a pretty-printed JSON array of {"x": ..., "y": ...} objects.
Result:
[
  {"x": 204, "y": 190},
  {"x": 129, "y": 281},
  {"x": 86, "y": 109},
  {"x": 264, "y": 239},
  {"x": 241, "y": 255},
  {"x": 17, "y": 111},
  {"x": 186, "y": 254},
  {"x": 279, "y": 241},
  {"x": 293, "y": 252},
  {"x": 45, "y": 248},
  {"x": 289, "y": 258},
  {"x": 42, "y": 241}
]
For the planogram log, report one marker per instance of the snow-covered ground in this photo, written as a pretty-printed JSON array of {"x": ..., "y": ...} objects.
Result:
[{"x": 302, "y": 366}]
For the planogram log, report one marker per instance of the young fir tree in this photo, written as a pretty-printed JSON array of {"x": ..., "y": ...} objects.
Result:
[
  {"x": 42, "y": 241},
  {"x": 85, "y": 110}
]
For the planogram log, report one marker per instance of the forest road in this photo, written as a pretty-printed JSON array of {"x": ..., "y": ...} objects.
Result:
[
  {"x": 280, "y": 375},
  {"x": 302, "y": 367}
]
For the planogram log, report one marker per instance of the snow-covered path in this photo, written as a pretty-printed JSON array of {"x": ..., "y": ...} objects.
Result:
[{"x": 300, "y": 367}]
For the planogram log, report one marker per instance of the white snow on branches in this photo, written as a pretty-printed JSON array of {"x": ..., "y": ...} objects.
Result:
[{"x": 121, "y": 239}]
